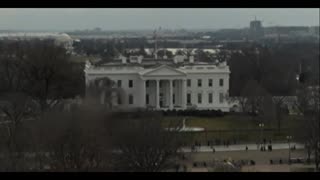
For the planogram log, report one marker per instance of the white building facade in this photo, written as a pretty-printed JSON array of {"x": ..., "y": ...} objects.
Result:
[{"x": 178, "y": 83}]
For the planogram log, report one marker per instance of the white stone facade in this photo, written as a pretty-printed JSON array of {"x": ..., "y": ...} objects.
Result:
[{"x": 165, "y": 83}]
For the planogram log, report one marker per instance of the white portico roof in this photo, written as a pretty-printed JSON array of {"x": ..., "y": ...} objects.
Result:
[{"x": 163, "y": 70}]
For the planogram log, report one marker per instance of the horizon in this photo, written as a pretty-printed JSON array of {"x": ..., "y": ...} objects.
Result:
[{"x": 135, "y": 19}]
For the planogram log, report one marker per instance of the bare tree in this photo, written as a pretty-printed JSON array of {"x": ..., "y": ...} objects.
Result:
[
  {"x": 105, "y": 90},
  {"x": 254, "y": 95},
  {"x": 144, "y": 145},
  {"x": 308, "y": 104},
  {"x": 76, "y": 140},
  {"x": 279, "y": 109}
]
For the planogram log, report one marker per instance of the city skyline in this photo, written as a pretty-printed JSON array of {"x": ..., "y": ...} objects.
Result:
[{"x": 66, "y": 19}]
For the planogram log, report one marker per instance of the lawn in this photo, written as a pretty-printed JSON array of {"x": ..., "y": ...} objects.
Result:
[{"x": 239, "y": 128}]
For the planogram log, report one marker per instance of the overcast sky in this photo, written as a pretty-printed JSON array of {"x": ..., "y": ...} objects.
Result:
[{"x": 121, "y": 18}]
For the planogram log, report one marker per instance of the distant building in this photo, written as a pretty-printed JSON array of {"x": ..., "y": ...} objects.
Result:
[
  {"x": 177, "y": 83},
  {"x": 256, "y": 30}
]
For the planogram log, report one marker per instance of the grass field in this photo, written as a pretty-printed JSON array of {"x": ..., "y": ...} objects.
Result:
[{"x": 239, "y": 128}]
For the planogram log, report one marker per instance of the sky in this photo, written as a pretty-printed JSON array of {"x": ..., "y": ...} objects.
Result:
[{"x": 151, "y": 18}]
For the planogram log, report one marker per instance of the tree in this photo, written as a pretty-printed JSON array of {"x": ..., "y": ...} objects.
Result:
[
  {"x": 76, "y": 140},
  {"x": 254, "y": 95},
  {"x": 103, "y": 90},
  {"x": 144, "y": 145},
  {"x": 308, "y": 104},
  {"x": 279, "y": 109},
  {"x": 46, "y": 70}
]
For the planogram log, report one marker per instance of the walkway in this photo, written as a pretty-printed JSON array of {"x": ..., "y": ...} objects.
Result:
[{"x": 242, "y": 147}]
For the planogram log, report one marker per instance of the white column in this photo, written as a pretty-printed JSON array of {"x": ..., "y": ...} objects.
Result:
[
  {"x": 184, "y": 94},
  {"x": 157, "y": 94},
  {"x": 170, "y": 95},
  {"x": 143, "y": 93}
]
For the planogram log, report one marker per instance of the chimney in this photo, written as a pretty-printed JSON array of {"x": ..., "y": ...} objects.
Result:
[
  {"x": 191, "y": 59},
  {"x": 124, "y": 60}
]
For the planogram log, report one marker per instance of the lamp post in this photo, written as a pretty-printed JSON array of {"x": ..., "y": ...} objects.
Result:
[
  {"x": 289, "y": 140},
  {"x": 261, "y": 125}
]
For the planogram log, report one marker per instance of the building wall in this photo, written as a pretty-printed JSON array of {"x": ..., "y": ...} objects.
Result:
[
  {"x": 136, "y": 90},
  {"x": 139, "y": 97},
  {"x": 205, "y": 90}
]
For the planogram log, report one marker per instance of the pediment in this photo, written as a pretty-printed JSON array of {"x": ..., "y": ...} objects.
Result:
[{"x": 164, "y": 70}]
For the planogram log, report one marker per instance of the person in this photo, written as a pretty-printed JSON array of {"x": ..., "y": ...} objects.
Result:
[
  {"x": 213, "y": 150},
  {"x": 246, "y": 148}
]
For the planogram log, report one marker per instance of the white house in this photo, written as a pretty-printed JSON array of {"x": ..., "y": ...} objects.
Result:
[{"x": 177, "y": 83}]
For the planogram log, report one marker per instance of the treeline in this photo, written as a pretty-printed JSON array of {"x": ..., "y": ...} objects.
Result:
[
  {"x": 36, "y": 134},
  {"x": 275, "y": 67}
]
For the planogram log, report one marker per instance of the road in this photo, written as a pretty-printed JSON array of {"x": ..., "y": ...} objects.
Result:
[{"x": 242, "y": 147}]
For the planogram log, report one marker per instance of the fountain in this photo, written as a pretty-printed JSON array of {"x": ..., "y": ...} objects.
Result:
[{"x": 184, "y": 128}]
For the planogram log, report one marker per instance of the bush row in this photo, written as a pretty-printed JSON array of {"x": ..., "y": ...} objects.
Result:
[
  {"x": 189, "y": 112},
  {"x": 198, "y": 113}
]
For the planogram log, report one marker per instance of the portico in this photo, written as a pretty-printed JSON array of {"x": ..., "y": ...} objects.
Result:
[{"x": 164, "y": 88}]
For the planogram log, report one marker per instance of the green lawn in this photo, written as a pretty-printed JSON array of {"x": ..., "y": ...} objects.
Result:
[{"x": 237, "y": 127}]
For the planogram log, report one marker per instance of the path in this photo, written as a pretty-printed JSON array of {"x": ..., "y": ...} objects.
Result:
[{"x": 242, "y": 147}]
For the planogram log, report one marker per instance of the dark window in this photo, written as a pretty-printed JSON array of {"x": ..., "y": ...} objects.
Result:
[
  {"x": 188, "y": 98},
  {"x": 199, "y": 98},
  {"x": 199, "y": 82},
  {"x": 130, "y": 99},
  {"x": 221, "y": 82},
  {"x": 119, "y": 100},
  {"x": 147, "y": 98},
  {"x": 130, "y": 83},
  {"x": 210, "y": 83},
  {"x": 119, "y": 83},
  {"x": 189, "y": 82},
  {"x": 210, "y": 98},
  {"x": 173, "y": 83},
  {"x": 160, "y": 84},
  {"x": 147, "y": 83}
]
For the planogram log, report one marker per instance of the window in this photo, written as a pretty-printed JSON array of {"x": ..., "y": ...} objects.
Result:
[
  {"x": 147, "y": 99},
  {"x": 173, "y": 99},
  {"x": 119, "y": 100},
  {"x": 221, "y": 82},
  {"x": 199, "y": 98},
  {"x": 173, "y": 83},
  {"x": 119, "y": 83},
  {"x": 210, "y": 83},
  {"x": 199, "y": 82},
  {"x": 210, "y": 98},
  {"x": 130, "y": 83},
  {"x": 147, "y": 84},
  {"x": 189, "y": 82},
  {"x": 221, "y": 97},
  {"x": 130, "y": 99},
  {"x": 160, "y": 84},
  {"x": 189, "y": 98}
]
